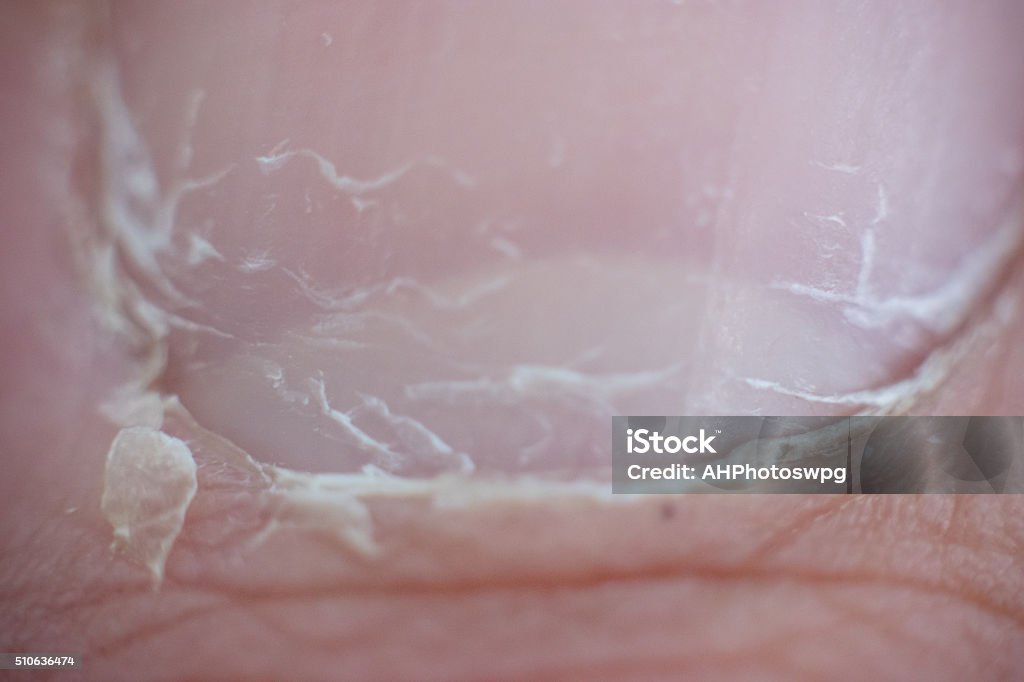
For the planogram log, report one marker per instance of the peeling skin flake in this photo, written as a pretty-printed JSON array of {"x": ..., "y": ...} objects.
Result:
[{"x": 150, "y": 482}]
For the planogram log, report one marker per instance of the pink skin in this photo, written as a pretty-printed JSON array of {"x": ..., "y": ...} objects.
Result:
[{"x": 704, "y": 158}]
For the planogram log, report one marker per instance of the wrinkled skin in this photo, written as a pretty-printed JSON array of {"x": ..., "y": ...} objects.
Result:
[{"x": 723, "y": 164}]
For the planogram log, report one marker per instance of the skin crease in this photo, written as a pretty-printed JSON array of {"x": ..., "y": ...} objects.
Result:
[{"x": 759, "y": 587}]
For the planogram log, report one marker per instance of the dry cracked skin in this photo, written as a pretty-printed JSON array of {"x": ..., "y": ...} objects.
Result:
[{"x": 314, "y": 316}]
